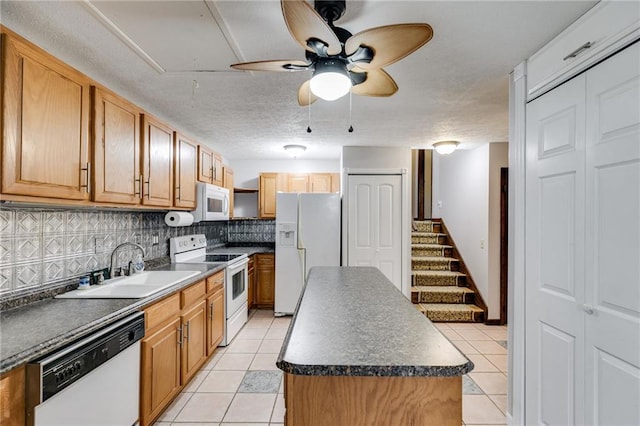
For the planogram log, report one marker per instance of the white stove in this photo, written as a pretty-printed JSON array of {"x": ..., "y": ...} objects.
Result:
[{"x": 193, "y": 249}]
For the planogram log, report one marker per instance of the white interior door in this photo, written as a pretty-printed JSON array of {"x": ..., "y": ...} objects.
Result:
[
  {"x": 613, "y": 241},
  {"x": 555, "y": 256},
  {"x": 375, "y": 224}
]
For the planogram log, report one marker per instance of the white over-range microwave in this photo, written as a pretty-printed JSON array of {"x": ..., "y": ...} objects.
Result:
[{"x": 212, "y": 203}]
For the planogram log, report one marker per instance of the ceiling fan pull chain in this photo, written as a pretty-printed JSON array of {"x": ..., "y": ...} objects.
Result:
[
  {"x": 350, "y": 108},
  {"x": 309, "y": 106}
]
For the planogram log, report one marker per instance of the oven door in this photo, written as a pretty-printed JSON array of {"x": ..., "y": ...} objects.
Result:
[{"x": 236, "y": 282}]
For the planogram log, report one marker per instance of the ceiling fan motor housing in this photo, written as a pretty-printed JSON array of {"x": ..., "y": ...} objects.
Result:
[{"x": 330, "y": 10}]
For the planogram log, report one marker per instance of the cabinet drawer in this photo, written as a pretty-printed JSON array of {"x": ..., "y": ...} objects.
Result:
[
  {"x": 215, "y": 281},
  {"x": 193, "y": 294},
  {"x": 159, "y": 312},
  {"x": 607, "y": 27},
  {"x": 266, "y": 260}
]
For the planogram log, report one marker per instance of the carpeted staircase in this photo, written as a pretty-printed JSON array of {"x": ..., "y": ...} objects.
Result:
[{"x": 438, "y": 289}]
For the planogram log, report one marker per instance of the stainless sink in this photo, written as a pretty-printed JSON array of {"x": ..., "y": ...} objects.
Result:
[{"x": 135, "y": 286}]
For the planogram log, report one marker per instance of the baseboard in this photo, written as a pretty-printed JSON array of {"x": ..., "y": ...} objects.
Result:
[{"x": 493, "y": 322}]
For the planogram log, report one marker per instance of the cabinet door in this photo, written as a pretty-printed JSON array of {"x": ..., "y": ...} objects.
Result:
[
  {"x": 215, "y": 320},
  {"x": 157, "y": 159},
  {"x": 46, "y": 124},
  {"x": 335, "y": 182},
  {"x": 160, "y": 372},
  {"x": 116, "y": 149},
  {"x": 265, "y": 277},
  {"x": 218, "y": 172},
  {"x": 205, "y": 164},
  {"x": 194, "y": 337},
  {"x": 298, "y": 182},
  {"x": 251, "y": 292},
  {"x": 228, "y": 183},
  {"x": 320, "y": 182},
  {"x": 270, "y": 184},
  {"x": 12, "y": 398},
  {"x": 186, "y": 165}
]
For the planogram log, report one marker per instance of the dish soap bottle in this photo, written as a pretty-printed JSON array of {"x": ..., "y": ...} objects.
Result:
[{"x": 137, "y": 265}]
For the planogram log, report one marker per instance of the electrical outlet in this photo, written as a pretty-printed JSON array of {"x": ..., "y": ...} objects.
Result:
[
  {"x": 155, "y": 239},
  {"x": 481, "y": 244},
  {"x": 99, "y": 243}
]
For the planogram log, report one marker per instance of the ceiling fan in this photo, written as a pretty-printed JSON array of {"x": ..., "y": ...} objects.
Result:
[{"x": 342, "y": 62}]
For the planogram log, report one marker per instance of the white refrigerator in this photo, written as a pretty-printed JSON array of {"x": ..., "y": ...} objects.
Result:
[{"x": 307, "y": 235}]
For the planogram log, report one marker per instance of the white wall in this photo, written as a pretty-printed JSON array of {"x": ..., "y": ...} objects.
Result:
[
  {"x": 461, "y": 199},
  {"x": 466, "y": 194},
  {"x": 246, "y": 172}
]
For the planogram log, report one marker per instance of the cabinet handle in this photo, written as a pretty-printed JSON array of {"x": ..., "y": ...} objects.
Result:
[
  {"x": 178, "y": 192},
  {"x": 88, "y": 180},
  {"x": 138, "y": 186},
  {"x": 148, "y": 189},
  {"x": 212, "y": 173},
  {"x": 578, "y": 51},
  {"x": 180, "y": 336},
  {"x": 211, "y": 311},
  {"x": 186, "y": 334}
]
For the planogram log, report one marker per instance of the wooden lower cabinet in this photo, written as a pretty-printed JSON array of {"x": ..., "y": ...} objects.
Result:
[
  {"x": 251, "y": 292},
  {"x": 12, "y": 398},
  {"x": 160, "y": 370},
  {"x": 265, "y": 280},
  {"x": 358, "y": 400},
  {"x": 182, "y": 332},
  {"x": 215, "y": 320},
  {"x": 194, "y": 340}
]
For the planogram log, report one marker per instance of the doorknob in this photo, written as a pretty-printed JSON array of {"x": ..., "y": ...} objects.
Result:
[{"x": 588, "y": 309}]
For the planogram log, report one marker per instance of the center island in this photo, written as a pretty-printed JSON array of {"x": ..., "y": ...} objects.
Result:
[{"x": 358, "y": 353}]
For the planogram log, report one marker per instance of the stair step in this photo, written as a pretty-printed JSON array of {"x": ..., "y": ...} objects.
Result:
[
  {"x": 434, "y": 263},
  {"x": 428, "y": 238},
  {"x": 442, "y": 294},
  {"x": 434, "y": 250},
  {"x": 444, "y": 312},
  {"x": 438, "y": 278},
  {"x": 426, "y": 226}
]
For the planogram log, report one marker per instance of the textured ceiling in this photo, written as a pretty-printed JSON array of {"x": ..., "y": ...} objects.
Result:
[{"x": 454, "y": 87}]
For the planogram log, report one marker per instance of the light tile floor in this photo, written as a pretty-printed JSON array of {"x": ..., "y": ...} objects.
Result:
[{"x": 241, "y": 386}]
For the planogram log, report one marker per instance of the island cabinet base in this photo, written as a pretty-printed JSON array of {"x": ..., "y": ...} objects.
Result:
[{"x": 367, "y": 401}]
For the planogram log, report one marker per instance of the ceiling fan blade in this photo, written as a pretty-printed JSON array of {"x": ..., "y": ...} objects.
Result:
[
  {"x": 305, "y": 96},
  {"x": 390, "y": 43},
  {"x": 378, "y": 83},
  {"x": 305, "y": 23},
  {"x": 278, "y": 65}
]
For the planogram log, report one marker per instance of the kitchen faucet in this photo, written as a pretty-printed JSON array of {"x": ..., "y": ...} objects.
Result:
[{"x": 113, "y": 255}]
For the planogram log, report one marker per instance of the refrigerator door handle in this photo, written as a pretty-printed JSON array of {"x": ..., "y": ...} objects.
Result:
[{"x": 302, "y": 253}]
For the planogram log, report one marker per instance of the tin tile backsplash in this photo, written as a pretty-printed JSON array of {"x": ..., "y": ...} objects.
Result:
[{"x": 42, "y": 248}]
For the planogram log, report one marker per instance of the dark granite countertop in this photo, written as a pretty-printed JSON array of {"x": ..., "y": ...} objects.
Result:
[
  {"x": 33, "y": 330},
  {"x": 250, "y": 250},
  {"x": 352, "y": 321}
]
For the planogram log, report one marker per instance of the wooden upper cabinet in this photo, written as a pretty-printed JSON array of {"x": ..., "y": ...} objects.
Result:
[
  {"x": 185, "y": 173},
  {"x": 45, "y": 150},
  {"x": 116, "y": 149},
  {"x": 227, "y": 182},
  {"x": 270, "y": 184},
  {"x": 205, "y": 164},
  {"x": 320, "y": 182},
  {"x": 335, "y": 182},
  {"x": 298, "y": 182},
  {"x": 157, "y": 160},
  {"x": 218, "y": 172}
]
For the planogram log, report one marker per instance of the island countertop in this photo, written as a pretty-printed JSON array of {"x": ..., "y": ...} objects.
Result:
[{"x": 352, "y": 321}]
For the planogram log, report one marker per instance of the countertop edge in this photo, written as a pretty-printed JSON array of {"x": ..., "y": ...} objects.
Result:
[{"x": 375, "y": 370}]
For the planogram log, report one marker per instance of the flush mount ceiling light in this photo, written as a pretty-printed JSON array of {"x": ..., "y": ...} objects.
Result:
[
  {"x": 445, "y": 147},
  {"x": 330, "y": 80},
  {"x": 295, "y": 150}
]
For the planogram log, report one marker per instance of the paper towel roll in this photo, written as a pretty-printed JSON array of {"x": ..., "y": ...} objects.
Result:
[{"x": 178, "y": 219}]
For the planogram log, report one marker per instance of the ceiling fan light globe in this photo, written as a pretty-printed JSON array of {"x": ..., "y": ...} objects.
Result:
[{"x": 330, "y": 85}]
